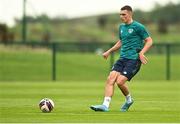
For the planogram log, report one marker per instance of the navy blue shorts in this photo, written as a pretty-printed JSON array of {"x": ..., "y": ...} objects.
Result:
[{"x": 127, "y": 67}]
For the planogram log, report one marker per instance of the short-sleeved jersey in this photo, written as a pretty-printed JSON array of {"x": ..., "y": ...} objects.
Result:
[{"x": 132, "y": 38}]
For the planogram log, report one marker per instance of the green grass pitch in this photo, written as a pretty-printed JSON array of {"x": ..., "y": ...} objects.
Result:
[{"x": 155, "y": 101}]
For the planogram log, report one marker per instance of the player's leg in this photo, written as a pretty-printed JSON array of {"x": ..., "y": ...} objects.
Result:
[
  {"x": 129, "y": 71},
  {"x": 121, "y": 82},
  {"x": 109, "y": 88},
  {"x": 109, "y": 91}
]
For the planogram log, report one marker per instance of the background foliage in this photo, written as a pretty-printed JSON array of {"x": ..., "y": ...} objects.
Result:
[{"x": 163, "y": 23}]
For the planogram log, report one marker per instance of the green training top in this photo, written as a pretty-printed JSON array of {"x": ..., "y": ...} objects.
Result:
[{"x": 132, "y": 37}]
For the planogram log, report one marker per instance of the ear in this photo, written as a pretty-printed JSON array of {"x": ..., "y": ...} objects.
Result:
[{"x": 130, "y": 13}]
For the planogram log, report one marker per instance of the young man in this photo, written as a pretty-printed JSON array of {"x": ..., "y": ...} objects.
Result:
[{"x": 134, "y": 42}]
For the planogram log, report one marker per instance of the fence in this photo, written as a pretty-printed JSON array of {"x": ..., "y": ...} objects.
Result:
[{"x": 80, "y": 61}]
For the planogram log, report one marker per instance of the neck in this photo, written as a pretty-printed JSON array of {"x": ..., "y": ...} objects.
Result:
[{"x": 130, "y": 21}]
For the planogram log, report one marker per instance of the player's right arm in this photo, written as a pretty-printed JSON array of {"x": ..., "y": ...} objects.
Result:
[{"x": 112, "y": 49}]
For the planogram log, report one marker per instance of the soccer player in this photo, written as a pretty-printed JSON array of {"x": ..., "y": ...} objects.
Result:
[{"x": 134, "y": 41}]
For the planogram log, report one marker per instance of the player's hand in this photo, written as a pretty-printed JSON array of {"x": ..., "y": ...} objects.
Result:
[
  {"x": 105, "y": 54},
  {"x": 143, "y": 58}
]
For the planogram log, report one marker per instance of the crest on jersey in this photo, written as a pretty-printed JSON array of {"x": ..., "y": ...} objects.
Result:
[{"x": 130, "y": 30}]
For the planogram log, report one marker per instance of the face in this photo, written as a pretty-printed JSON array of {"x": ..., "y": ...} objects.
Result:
[{"x": 125, "y": 16}]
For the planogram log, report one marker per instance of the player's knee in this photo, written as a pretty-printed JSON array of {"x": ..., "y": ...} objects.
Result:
[
  {"x": 120, "y": 81},
  {"x": 110, "y": 80}
]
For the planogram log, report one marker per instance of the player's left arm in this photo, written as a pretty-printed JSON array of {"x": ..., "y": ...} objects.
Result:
[{"x": 148, "y": 43}]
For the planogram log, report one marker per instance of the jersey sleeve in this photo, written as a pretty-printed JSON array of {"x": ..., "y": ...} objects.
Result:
[
  {"x": 143, "y": 32},
  {"x": 119, "y": 32}
]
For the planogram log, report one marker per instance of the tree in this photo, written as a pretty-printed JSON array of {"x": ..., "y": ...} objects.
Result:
[
  {"x": 102, "y": 21},
  {"x": 3, "y": 33},
  {"x": 162, "y": 26}
]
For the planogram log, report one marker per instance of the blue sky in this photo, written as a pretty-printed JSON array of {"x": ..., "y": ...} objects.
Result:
[{"x": 10, "y": 9}]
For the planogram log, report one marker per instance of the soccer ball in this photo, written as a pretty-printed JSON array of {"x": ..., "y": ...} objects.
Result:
[{"x": 46, "y": 105}]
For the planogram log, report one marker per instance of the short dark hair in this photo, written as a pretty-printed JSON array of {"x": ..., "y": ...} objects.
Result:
[{"x": 128, "y": 8}]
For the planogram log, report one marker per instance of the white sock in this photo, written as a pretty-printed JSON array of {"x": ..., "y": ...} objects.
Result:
[
  {"x": 128, "y": 98},
  {"x": 107, "y": 101}
]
